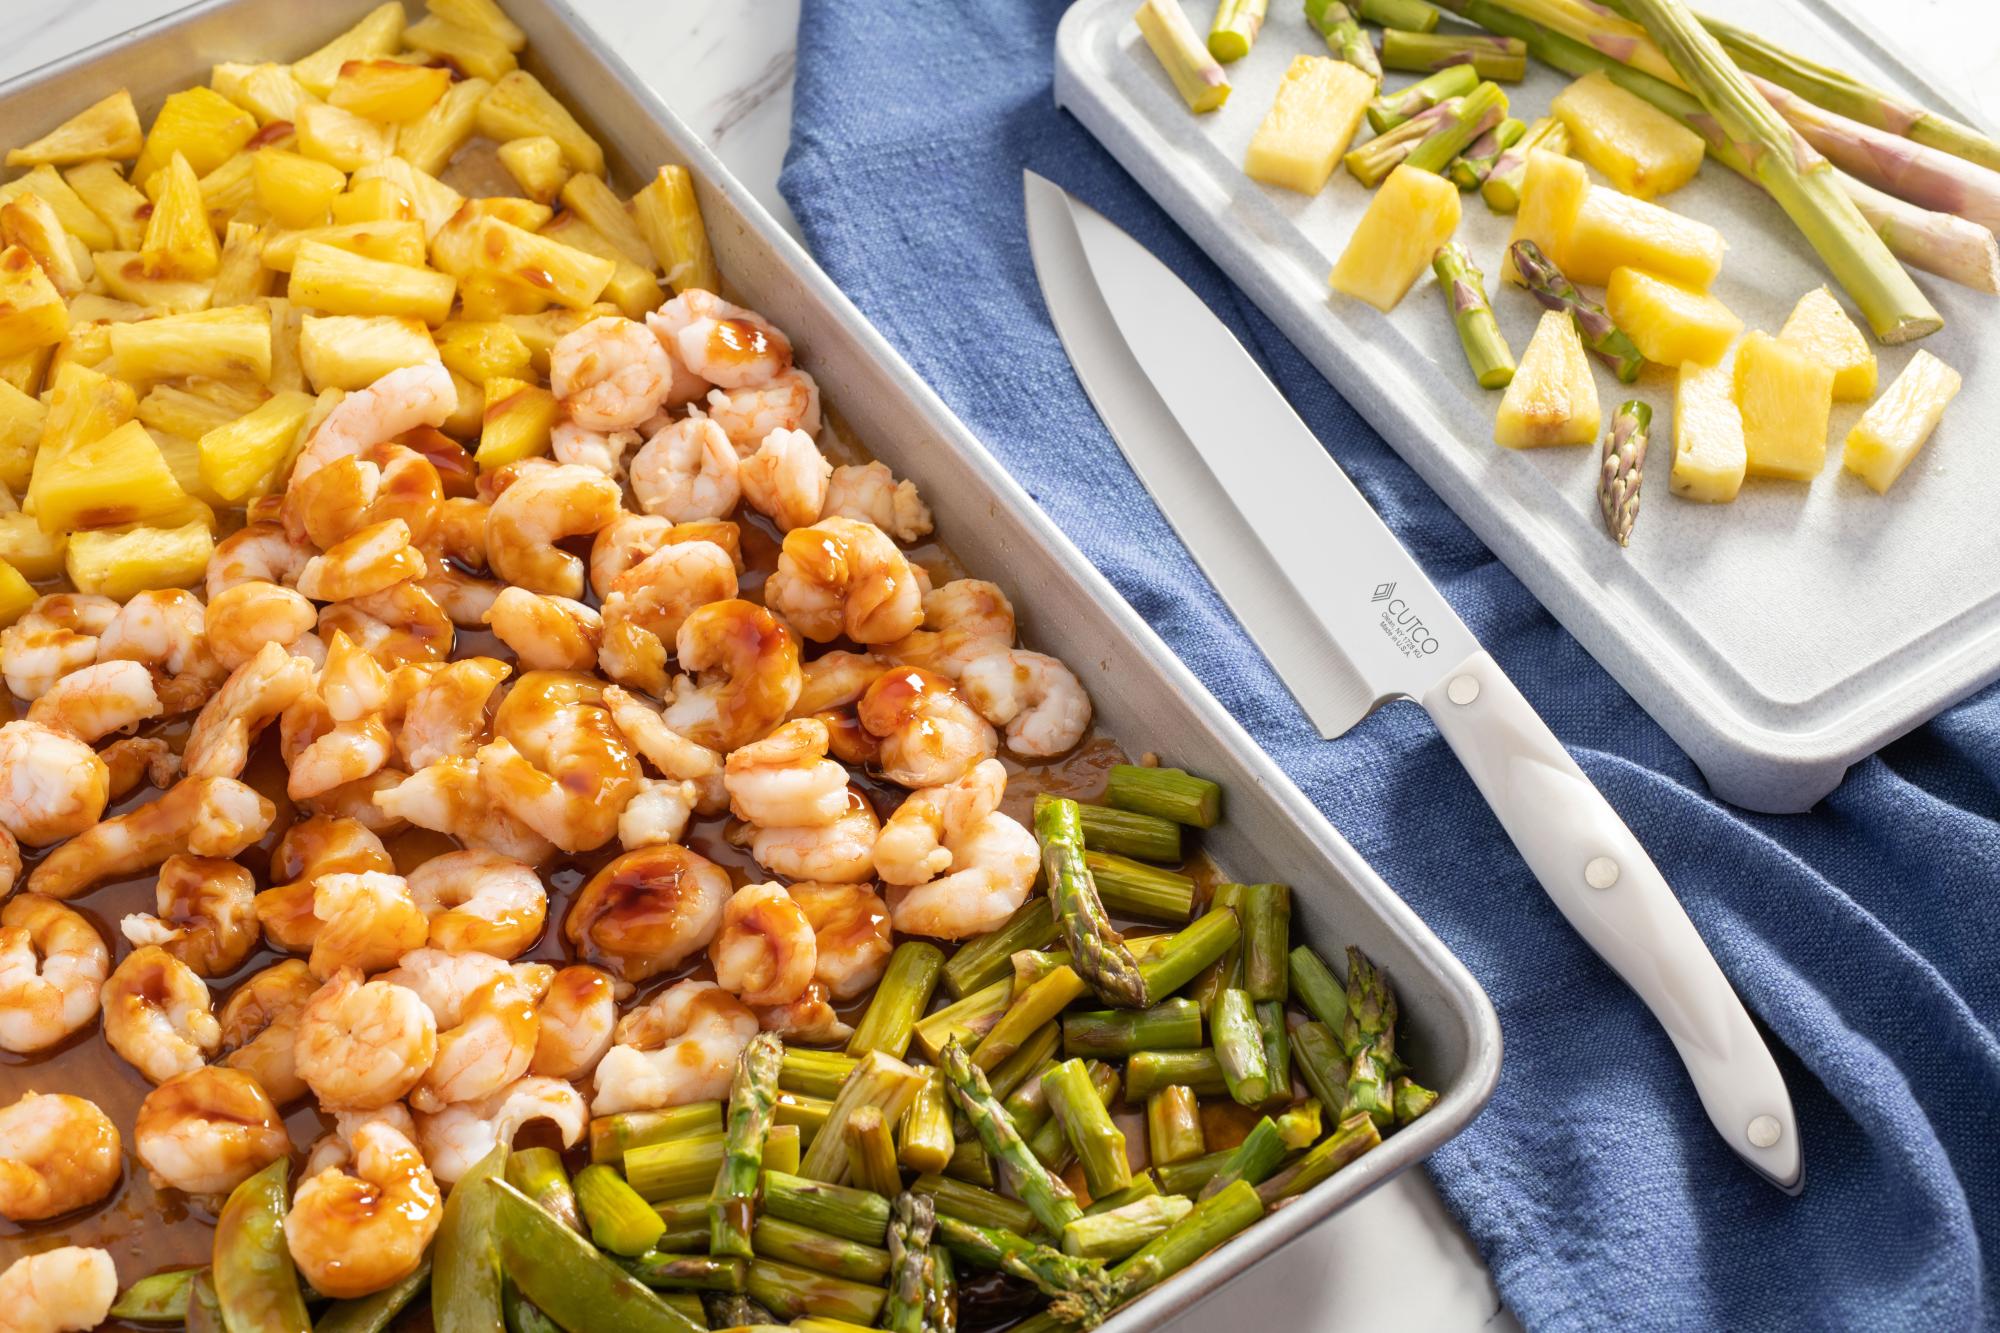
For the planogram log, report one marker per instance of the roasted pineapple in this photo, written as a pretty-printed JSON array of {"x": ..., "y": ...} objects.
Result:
[
  {"x": 485, "y": 296},
  {"x": 432, "y": 202},
  {"x": 26, "y": 370},
  {"x": 233, "y": 342},
  {"x": 1669, "y": 322},
  {"x": 119, "y": 208},
  {"x": 1552, "y": 190},
  {"x": 1709, "y": 459},
  {"x": 169, "y": 409},
  {"x": 590, "y": 199},
  {"x": 112, "y": 480},
  {"x": 542, "y": 330},
  {"x": 126, "y": 276},
  {"x": 519, "y": 418},
  {"x": 388, "y": 90},
  {"x": 342, "y": 283},
  {"x": 428, "y": 142},
  {"x": 1639, "y": 148},
  {"x": 23, "y": 544},
  {"x": 32, "y": 313},
  {"x": 669, "y": 217},
  {"x": 479, "y": 53},
  {"x": 108, "y": 128},
  {"x": 266, "y": 91},
  {"x": 241, "y": 457},
  {"x": 480, "y": 350},
  {"x": 341, "y": 138},
  {"x": 294, "y": 189},
  {"x": 481, "y": 16},
  {"x": 86, "y": 343},
  {"x": 475, "y": 245},
  {"x": 179, "y": 242},
  {"x": 240, "y": 274},
  {"x": 286, "y": 371},
  {"x": 390, "y": 242},
  {"x": 379, "y": 33},
  {"x": 1785, "y": 395},
  {"x": 16, "y": 595},
  {"x": 29, "y": 222},
  {"x": 1819, "y": 326},
  {"x": 470, "y": 411},
  {"x": 119, "y": 564},
  {"x": 78, "y": 219},
  {"x": 83, "y": 404},
  {"x": 633, "y": 288},
  {"x": 184, "y": 461},
  {"x": 377, "y": 199},
  {"x": 201, "y": 125},
  {"x": 353, "y": 351},
  {"x": 1552, "y": 398},
  {"x": 519, "y": 107},
  {"x": 1315, "y": 114},
  {"x": 1897, "y": 424},
  {"x": 537, "y": 165},
  {"x": 1613, "y": 230},
  {"x": 1412, "y": 214},
  {"x": 21, "y": 418}
]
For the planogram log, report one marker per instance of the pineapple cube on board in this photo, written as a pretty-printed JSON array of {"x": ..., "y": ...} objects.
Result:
[
  {"x": 1315, "y": 114},
  {"x": 1818, "y": 325},
  {"x": 1709, "y": 458},
  {"x": 1639, "y": 148},
  {"x": 107, "y": 128},
  {"x": 16, "y": 594},
  {"x": 1785, "y": 395},
  {"x": 108, "y": 481},
  {"x": 1552, "y": 398},
  {"x": 1552, "y": 190},
  {"x": 32, "y": 313},
  {"x": 379, "y": 33},
  {"x": 1613, "y": 230},
  {"x": 1896, "y": 425},
  {"x": 1670, "y": 323},
  {"x": 1411, "y": 215},
  {"x": 353, "y": 351},
  {"x": 120, "y": 564}
]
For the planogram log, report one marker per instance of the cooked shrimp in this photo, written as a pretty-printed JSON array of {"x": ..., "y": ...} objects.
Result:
[
  {"x": 363, "y": 1044},
  {"x": 465, "y": 599},
  {"x": 545, "y": 506},
  {"x": 546, "y": 633},
  {"x": 52, "y": 969},
  {"x": 651, "y": 601},
  {"x": 52, "y": 785},
  {"x": 256, "y": 553},
  {"x": 745, "y": 665},
  {"x": 131, "y": 764},
  {"x": 367, "y": 920},
  {"x": 658, "y": 812},
  {"x": 602, "y": 451},
  {"x": 811, "y": 1018},
  {"x": 836, "y": 679},
  {"x": 995, "y": 862},
  {"x": 687, "y": 471},
  {"x": 870, "y": 493},
  {"x": 786, "y": 778},
  {"x": 573, "y": 793},
  {"x": 260, "y": 1023},
  {"x": 647, "y": 910},
  {"x": 10, "y": 860},
  {"x": 323, "y": 845},
  {"x": 447, "y": 796},
  {"x": 930, "y": 734},
  {"x": 385, "y": 481},
  {"x": 1036, "y": 698},
  {"x": 786, "y": 479},
  {"x": 577, "y": 1017},
  {"x": 623, "y": 543},
  {"x": 486, "y": 1023},
  {"x": 207, "y": 914},
  {"x": 666, "y": 749},
  {"x": 57, "y": 635},
  {"x": 335, "y": 1148},
  {"x": 351, "y": 684},
  {"x": 92, "y": 702},
  {"x": 403, "y": 399},
  {"x": 349, "y": 752},
  {"x": 57, "y": 1291},
  {"x": 156, "y": 1015},
  {"x": 401, "y": 624},
  {"x": 913, "y": 846},
  {"x": 764, "y": 953},
  {"x": 208, "y": 1130},
  {"x": 57, "y": 1153},
  {"x": 245, "y": 616},
  {"x": 680, "y": 1047},
  {"x": 787, "y": 402},
  {"x": 455, "y": 1138},
  {"x": 723, "y": 343},
  {"x": 611, "y": 374},
  {"x": 355, "y": 1231},
  {"x": 479, "y": 900},
  {"x": 842, "y": 852},
  {"x": 842, "y": 577},
  {"x": 964, "y": 620},
  {"x": 447, "y": 716},
  {"x": 248, "y": 701},
  {"x": 851, "y": 935},
  {"x": 166, "y": 629},
  {"x": 372, "y": 560},
  {"x": 848, "y": 741},
  {"x": 205, "y": 816}
]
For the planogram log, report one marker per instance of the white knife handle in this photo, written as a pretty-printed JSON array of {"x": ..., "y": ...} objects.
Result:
[{"x": 1604, "y": 883}]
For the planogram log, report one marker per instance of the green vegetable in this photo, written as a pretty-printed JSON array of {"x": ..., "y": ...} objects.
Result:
[
  {"x": 1173, "y": 1125},
  {"x": 966, "y": 1019},
  {"x": 1170, "y": 1025},
  {"x": 680, "y": 1167},
  {"x": 1601, "y": 338},
  {"x": 1352, "y": 1137},
  {"x": 159, "y": 1299},
  {"x": 1189, "y": 1176},
  {"x": 1134, "y": 888},
  {"x": 1486, "y": 350},
  {"x": 1143, "y": 1186},
  {"x": 900, "y": 999},
  {"x": 1501, "y": 188},
  {"x": 612, "y": 1136},
  {"x": 881, "y": 1081},
  {"x": 567, "y": 1277},
  {"x": 465, "y": 1263},
  {"x": 687, "y": 1225},
  {"x": 1344, "y": 37},
  {"x": 1235, "y": 28},
  {"x": 1239, "y": 1048},
  {"x": 838, "y": 1210},
  {"x": 753, "y": 1092},
  {"x": 1126, "y": 833},
  {"x": 1117, "y": 1232},
  {"x": 1475, "y": 113},
  {"x": 789, "y": 1291},
  {"x": 1468, "y": 171},
  {"x": 1046, "y": 1196},
  {"x": 1050, "y": 1144},
  {"x": 1504, "y": 58},
  {"x": 1212, "y": 1221},
  {"x": 910, "y": 1228},
  {"x": 1098, "y": 952},
  {"x": 1199, "y": 1071},
  {"x": 1409, "y": 15},
  {"x": 955, "y": 1198},
  {"x": 538, "y": 1173},
  {"x": 1252, "y": 1160},
  {"x": 1267, "y": 937},
  {"x": 1277, "y": 1045},
  {"x": 1299, "y": 1126},
  {"x": 1097, "y": 1141},
  {"x": 970, "y": 1163},
  {"x": 806, "y": 1114},
  {"x": 375, "y": 1312},
  {"x": 620, "y": 1221},
  {"x": 1032, "y": 1009},
  {"x": 1623, "y": 468},
  {"x": 1321, "y": 1063},
  {"x": 988, "y": 958},
  {"x": 204, "y": 1310},
  {"x": 1017, "y": 1068},
  {"x": 1411, "y": 1101},
  {"x": 1388, "y": 110},
  {"x": 925, "y": 1140},
  {"x": 1315, "y": 986},
  {"x": 791, "y": 1243},
  {"x": 687, "y": 1272},
  {"x": 256, "y": 1286},
  {"x": 810, "y": 1073},
  {"x": 871, "y": 1152},
  {"x": 941, "y": 1292},
  {"x": 1186, "y": 953},
  {"x": 1170, "y": 793},
  {"x": 1052, "y": 1272}
]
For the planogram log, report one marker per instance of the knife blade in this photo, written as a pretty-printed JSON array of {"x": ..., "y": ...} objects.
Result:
[{"x": 1224, "y": 455}]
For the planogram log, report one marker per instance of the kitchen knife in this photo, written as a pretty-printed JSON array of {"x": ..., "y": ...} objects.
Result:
[{"x": 1350, "y": 621}]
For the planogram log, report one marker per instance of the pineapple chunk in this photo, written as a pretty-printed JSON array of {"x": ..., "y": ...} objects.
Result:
[
  {"x": 669, "y": 217},
  {"x": 108, "y": 128},
  {"x": 168, "y": 409},
  {"x": 30, "y": 223},
  {"x": 266, "y": 91},
  {"x": 537, "y": 165},
  {"x": 112, "y": 480},
  {"x": 1640, "y": 148},
  {"x": 519, "y": 418},
  {"x": 353, "y": 351},
  {"x": 430, "y": 141},
  {"x": 239, "y": 458},
  {"x": 126, "y": 276},
  {"x": 476, "y": 245},
  {"x": 542, "y": 330},
  {"x": 1669, "y": 322},
  {"x": 230, "y": 342},
  {"x": 483, "y": 296},
  {"x": 342, "y": 283},
  {"x": 1784, "y": 394},
  {"x": 201, "y": 125},
  {"x": 482, "y": 16},
  {"x": 240, "y": 275},
  {"x": 1410, "y": 217},
  {"x": 1709, "y": 458},
  {"x": 85, "y": 344},
  {"x": 1311, "y": 120},
  {"x": 519, "y": 107},
  {"x": 523, "y": 213},
  {"x": 1821, "y": 327},
  {"x": 83, "y": 405},
  {"x": 121, "y": 209},
  {"x": 286, "y": 372},
  {"x": 633, "y": 288},
  {"x": 342, "y": 138},
  {"x": 1552, "y": 398},
  {"x": 1895, "y": 426},
  {"x": 179, "y": 242},
  {"x": 109, "y": 309},
  {"x": 379, "y": 33},
  {"x": 16, "y": 594},
  {"x": 481, "y": 350},
  {"x": 388, "y": 90},
  {"x": 120, "y": 564},
  {"x": 294, "y": 189},
  {"x": 226, "y": 190},
  {"x": 466, "y": 417},
  {"x": 32, "y": 313},
  {"x": 480, "y": 54},
  {"x": 377, "y": 199},
  {"x": 21, "y": 418},
  {"x": 25, "y": 370},
  {"x": 77, "y": 217},
  {"x": 1613, "y": 230},
  {"x": 23, "y": 544},
  {"x": 184, "y": 461},
  {"x": 390, "y": 242},
  {"x": 1552, "y": 191},
  {"x": 589, "y": 198}
]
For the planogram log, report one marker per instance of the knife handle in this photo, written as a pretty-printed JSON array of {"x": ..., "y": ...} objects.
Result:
[{"x": 1601, "y": 879}]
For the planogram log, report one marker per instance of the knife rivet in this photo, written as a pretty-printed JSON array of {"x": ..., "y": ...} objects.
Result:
[
  {"x": 1601, "y": 872},
  {"x": 1764, "y": 1131},
  {"x": 1462, "y": 690}
]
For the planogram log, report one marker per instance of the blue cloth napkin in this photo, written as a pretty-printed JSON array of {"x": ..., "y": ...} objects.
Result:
[{"x": 1865, "y": 935}]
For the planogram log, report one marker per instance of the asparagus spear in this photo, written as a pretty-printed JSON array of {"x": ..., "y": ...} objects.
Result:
[
  {"x": 1100, "y": 955},
  {"x": 839, "y": 1210},
  {"x": 1409, "y": 15},
  {"x": 733, "y": 1309},
  {"x": 1173, "y": 1126},
  {"x": 967, "y": 1018},
  {"x": 1126, "y": 832},
  {"x": 1321, "y": 1063},
  {"x": 941, "y": 1293},
  {"x": 983, "y": 1207},
  {"x": 910, "y": 1230},
  {"x": 1137, "y": 889},
  {"x": 1501, "y": 187},
  {"x": 1374, "y": 160},
  {"x": 752, "y": 1095},
  {"x": 1267, "y": 938},
  {"x": 256, "y": 1286},
  {"x": 1254, "y": 1159},
  {"x": 1189, "y": 1176},
  {"x": 1211, "y": 1222},
  {"x": 687, "y": 1272},
  {"x": 1050, "y": 1144},
  {"x": 1235, "y": 28},
  {"x": 1371, "y": 1007},
  {"x": 1047, "y": 1197},
  {"x": 1239, "y": 1048},
  {"x": 620, "y": 1221},
  {"x": 1099, "y": 1144},
  {"x": 900, "y": 999},
  {"x": 1052, "y": 1271},
  {"x": 1315, "y": 986},
  {"x": 808, "y": 1114},
  {"x": 1227, "y": 969},
  {"x": 1468, "y": 171},
  {"x": 612, "y": 1136},
  {"x": 881, "y": 1081},
  {"x": 793, "y": 1243},
  {"x": 1623, "y": 469},
  {"x": 687, "y": 1224},
  {"x": 538, "y": 1173},
  {"x": 1032, "y": 1010},
  {"x": 1170, "y": 1025},
  {"x": 789, "y": 1291},
  {"x": 970, "y": 1163},
  {"x": 1344, "y": 37},
  {"x": 1411, "y": 1100},
  {"x": 1143, "y": 1186},
  {"x": 814, "y": 1073},
  {"x": 1149, "y": 1071},
  {"x": 1196, "y": 75},
  {"x": 1490, "y": 57},
  {"x": 1170, "y": 793},
  {"x": 981, "y": 962},
  {"x": 1277, "y": 1044},
  {"x": 1388, "y": 110},
  {"x": 1117, "y": 1232},
  {"x": 1601, "y": 338},
  {"x": 567, "y": 1277},
  {"x": 1477, "y": 112},
  {"x": 1007, "y": 1077},
  {"x": 1188, "y": 951},
  {"x": 1352, "y": 1137},
  {"x": 924, "y": 1139},
  {"x": 871, "y": 1151}
]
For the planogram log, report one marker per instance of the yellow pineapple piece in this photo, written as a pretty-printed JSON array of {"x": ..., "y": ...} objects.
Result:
[
  {"x": 1709, "y": 457},
  {"x": 25, "y": 370},
  {"x": 241, "y": 457},
  {"x": 1669, "y": 322},
  {"x": 388, "y": 90},
  {"x": 523, "y": 213},
  {"x": 537, "y": 165},
  {"x": 1552, "y": 191},
  {"x": 23, "y": 544},
  {"x": 231, "y": 342},
  {"x": 240, "y": 275},
  {"x": 542, "y": 330},
  {"x": 1552, "y": 398},
  {"x": 482, "y": 349},
  {"x": 379, "y": 33},
  {"x": 107, "y": 128},
  {"x": 29, "y": 222},
  {"x": 390, "y": 242},
  {"x": 184, "y": 461},
  {"x": 1316, "y": 111},
  {"x": 86, "y": 343},
  {"x": 96, "y": 306},
  {"x": 465, "y": 419},
  {"x": 1821, "y": 327},
  {"x": 341, "y": 138},
  {"x": 481, "y": 16},
  {"x": 295, "y": 189},
  {"x": 21, "y": 418},
  {"x": 1614, "y": 230},
  {"x": 120, "y": 564},
  {"x": 126, "y": 275},
  {"x": 32, "y": 313},
  {"x": 1409, "y": 218},
  {"x": 669, "y": 217},
  {"x": 519, "y": 418},
  {"x": 475, "y": 245},
  {"x": 429, "y": 142},
  {"x": 267, "y": 91},
  {"x": 227, "y": 189},
  {"x": 169, "y": 409},
  {"x": 1784, "y": 394},
  {"x": 482, "y": 296},
  {"x": 104, "y": 482},
  {"x": 633, "y": 288},
  {"x": 1640, "y": 148},
  {"x": 589, "y": 198},
  {"x": 377, "y": 199},
  {"x": 179, "y": 243},
  {"x": 16, "y": 595},
  {"x": 340, "y": 282},
  {"x": 286, "y": 321},
  {"x": 353, "y": 351},
  {"x": 478, "y": 53},
  {"x": 83, "y": 404},
  {"x": 201, "y": 125},
  {"x": 121, "y": 209},
  {"x": 77, "y": 217},
  {"x": 1896, "y": 425},
  {"x": 519, "y": 107}
]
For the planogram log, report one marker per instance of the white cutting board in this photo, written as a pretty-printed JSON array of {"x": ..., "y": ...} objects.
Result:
[{"x": 1779, "y": 638}]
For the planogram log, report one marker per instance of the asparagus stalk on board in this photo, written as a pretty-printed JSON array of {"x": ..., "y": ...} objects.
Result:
[
  {"x": 1374, "y": 160},
  {"x": 1196, "y": 75},
  {"x": 1503, "y": 58},
  {"x": 1344, "y": 37},
  {"x": 752, "y": 1095},
  {"x": 1468, "y": 171},
  {"x": 1601, "y": 338},
  {"x": 1623, "y": 469},
  {"x": 1047, "y": 1197},
  {"x": 1464, "y": 288},
  {"x": 1099, "y": 952},
  {"x": 1409, "y": 15},
  {"x": 1501, "y": 189},
  {"x": 1388, "y": 110},
  {"x": 1050, "y": 1270},
  {"x": 910, "y": 1228},
  {"x": 1477, "y": 112},
  {"x": 1235, "y": 28}
]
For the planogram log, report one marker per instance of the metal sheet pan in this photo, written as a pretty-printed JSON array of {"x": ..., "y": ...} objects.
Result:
[
  {"x": 1778, "y": 639},
  {"x": 1144, "y": 695}
]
